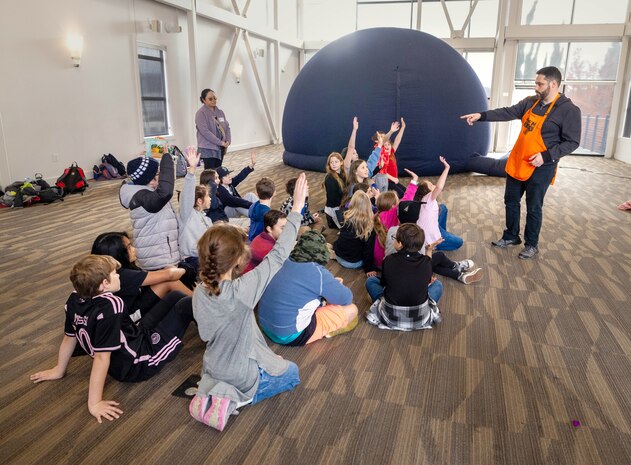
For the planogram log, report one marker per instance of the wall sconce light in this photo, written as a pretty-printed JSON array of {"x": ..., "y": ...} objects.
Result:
[
  {"x": 237, "y": 70},
  {"x": 75, "y": 46}
]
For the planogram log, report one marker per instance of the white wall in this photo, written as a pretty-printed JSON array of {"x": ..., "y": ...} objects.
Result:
[{"x": 50, "y": 110}]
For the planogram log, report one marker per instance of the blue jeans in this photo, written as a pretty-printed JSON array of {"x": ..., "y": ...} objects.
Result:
[
  {"x": 351, "y": 265},
  {"x": 375, "y": 289},
  {"x": 535, "y": 189},
  {"x": 270, "y": 385},
  {"x": 210, "y": 157},
  {"x": 451, "y": 241}
]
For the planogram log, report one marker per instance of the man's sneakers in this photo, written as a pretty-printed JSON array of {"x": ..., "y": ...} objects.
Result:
[
  {"x": 503, "y": 243},
  {"x": 529, "y": 252},
  {"x": 469, "y": 277},
  {"x": 212, "y": 410}
]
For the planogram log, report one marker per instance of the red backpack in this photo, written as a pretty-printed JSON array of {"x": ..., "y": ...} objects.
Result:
[{"x": 73, "y": 180}]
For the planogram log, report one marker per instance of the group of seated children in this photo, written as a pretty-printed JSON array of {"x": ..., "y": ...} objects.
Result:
[{"x": 129, "y": 310}]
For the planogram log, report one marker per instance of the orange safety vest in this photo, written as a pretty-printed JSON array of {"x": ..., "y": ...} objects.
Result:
[{"x": 528, "y": 143}]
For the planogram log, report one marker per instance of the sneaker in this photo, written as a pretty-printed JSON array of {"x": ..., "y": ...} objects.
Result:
[
  {"x": 464, "y": 265},
  {"x": 213, "y": 411},
  {"x": 528, "y": 252},
  {"x": 470, "y": 276},
  {"x": 503, "y": 243}
]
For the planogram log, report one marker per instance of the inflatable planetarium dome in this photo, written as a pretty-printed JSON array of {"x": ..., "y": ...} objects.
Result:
[{"x": 381, "y": 75}]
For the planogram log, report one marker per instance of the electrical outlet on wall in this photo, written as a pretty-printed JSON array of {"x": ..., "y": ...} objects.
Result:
[{"x": 55, "y": 157}]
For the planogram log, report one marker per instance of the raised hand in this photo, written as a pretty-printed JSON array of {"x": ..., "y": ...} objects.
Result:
[
  {"x": 192, "y": 157},
  {"x": 471, "y": 118},
  {"x": 355, "y": 124},
  {"x": 300, "y": 193},
  {"x": 444, "y": 162},
  {"x": 394, "y": 126},
  {"x": 402, "y": 123},
  {"x": 411, "y": 173},
  {"x": 252, "y": 160},
  {"x": 380, "y": 138}
]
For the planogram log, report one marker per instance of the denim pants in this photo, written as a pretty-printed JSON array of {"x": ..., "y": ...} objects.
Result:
[
  {"x": 535, "y": 189},
  {"x": 375, "y": 289},
  {"x": 351, "y": 265},
  {"x": 211, "y": 158},
  {"x": 270, "y": 385},
  {"x": 450, "y": 241}
]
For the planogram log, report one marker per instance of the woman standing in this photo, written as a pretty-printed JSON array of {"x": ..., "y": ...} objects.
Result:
[{"x": 213, "y": 130}]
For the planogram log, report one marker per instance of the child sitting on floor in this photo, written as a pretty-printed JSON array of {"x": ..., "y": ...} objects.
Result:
[
  {"x": 265, "y": 190},
  {"x": 144, "y": 292},
  {"x": 386, "y": 216},
  {"x": 274, "y": 222},
  {"x": 148, "y": 198},
  {"x": 99, "y": 321},
  {"x": 433, "y": 219},
  {"x": 309, "y": 219},
  {"x": 235, "y": 205},
  {"x": 403, "y": 297},
  {"x": 304, "y": 302},
  {"x": 354, "y": 246},
  {"x": 194, "y": 201},
  {"x": 238, "y": 367}
]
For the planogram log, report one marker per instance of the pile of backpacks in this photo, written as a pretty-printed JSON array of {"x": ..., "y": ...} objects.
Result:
[
  {"x": 109, "y": 168},
  {"x": 36, "y": 190}
]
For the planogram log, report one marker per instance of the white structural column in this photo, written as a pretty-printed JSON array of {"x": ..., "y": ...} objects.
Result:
[
  {"x": 277, "y": 71},
  {"x": 191, "y": 20}
]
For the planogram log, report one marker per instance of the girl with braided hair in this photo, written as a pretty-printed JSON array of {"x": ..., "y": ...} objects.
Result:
[{"x": 238, "y": 367}]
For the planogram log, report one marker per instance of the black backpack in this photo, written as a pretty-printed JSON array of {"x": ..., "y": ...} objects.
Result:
[
  {"x": 73, "y": 180},
  {"x": 51, "y": 194},
  {"x": 112, "y": 160},
  {"x": 409, "y": 210}
]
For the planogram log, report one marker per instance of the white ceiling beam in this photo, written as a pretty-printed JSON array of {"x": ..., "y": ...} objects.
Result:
[
  {"x": 473, "y": 44},
  {"x": 230, "y": 19},
  {"x": 566, "y": 32}
]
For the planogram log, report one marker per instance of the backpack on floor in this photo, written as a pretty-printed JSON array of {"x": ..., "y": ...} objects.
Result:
[
  {"x": 51, "y": 195},
  {"x": 180, "y": 165},
  {"x": 73, "y": 180},
  {"x": 113, "y": 161}
]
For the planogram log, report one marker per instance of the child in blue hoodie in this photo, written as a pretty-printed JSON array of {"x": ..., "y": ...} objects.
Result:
[{"x": 265, "y": 190}]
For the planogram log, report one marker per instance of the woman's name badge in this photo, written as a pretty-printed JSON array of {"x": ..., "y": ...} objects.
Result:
[{"x": 221, "y": 120}]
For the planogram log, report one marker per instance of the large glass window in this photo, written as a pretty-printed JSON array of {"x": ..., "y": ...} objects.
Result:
[
  {"x": 153, "y": 91},
  {"x": 573, "y": 11},
  {"x": 589, "y": 73},
  {"x": 482, "y": 64}
]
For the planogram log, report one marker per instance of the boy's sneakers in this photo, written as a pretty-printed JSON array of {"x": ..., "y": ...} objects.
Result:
[
  {"x": 464, "y": 265},
  {"x": 212, "y": 410},
  {"x": 470, "y": 276},
  {"x": 528, "y": 252}
]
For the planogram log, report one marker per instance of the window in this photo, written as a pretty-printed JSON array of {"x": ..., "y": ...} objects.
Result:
[
  {"x": 153, "y": 91},
  {"x": 573, "y": 11}
]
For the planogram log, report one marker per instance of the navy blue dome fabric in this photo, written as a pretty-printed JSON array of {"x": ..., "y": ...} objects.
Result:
[{"x": 381, "y": 75}]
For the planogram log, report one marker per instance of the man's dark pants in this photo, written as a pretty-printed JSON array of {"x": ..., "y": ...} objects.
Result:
[{"x": 535, "y": 189}]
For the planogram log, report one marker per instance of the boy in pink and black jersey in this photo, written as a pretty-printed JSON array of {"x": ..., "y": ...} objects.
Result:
[{"x": 99, "y": 321}]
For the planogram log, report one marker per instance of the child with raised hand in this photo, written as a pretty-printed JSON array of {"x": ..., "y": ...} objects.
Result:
[
  {"x": 238, "y": 367},
  {"x": 265, "y": 189},
  {"x": 309, "y": 220},
  {"x": 148, "y": 197},
  {"x": 387, "y": 161},
  {"x": 235, "y": 205},
  {"x": 194, "y": 201},
  {"x": 148, "y": 295},
  {"x": 334, "y": 185},
  {"x": 354, "y": 246},
  {"x": 386, "y": 217},
  {"x": 99, "y": 321},
  {"x": 403, "y": 297},
  {"x": 351, "y": 154},
  {"x": 433, "y": 219}
]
